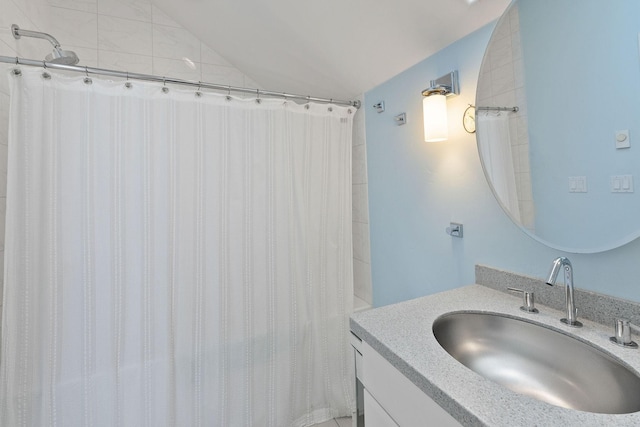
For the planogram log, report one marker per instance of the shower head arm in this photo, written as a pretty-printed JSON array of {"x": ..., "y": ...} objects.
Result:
[
  {"x": 18, "y": 32},
  {"x": 58, "y": 56}
]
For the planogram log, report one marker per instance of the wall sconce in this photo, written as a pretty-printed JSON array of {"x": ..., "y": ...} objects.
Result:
[{"x": 434, "y": 106}]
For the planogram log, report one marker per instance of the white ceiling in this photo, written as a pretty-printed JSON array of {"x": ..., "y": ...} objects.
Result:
[{"x": 330, "y": 48}]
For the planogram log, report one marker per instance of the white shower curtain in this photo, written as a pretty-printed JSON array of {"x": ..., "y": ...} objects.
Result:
[
  {"x": 494, "y": 141},
  {"x": 173, "y": 259}
]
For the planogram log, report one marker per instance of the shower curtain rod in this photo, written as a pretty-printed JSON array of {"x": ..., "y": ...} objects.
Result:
[{"x": 152, "y": 78}]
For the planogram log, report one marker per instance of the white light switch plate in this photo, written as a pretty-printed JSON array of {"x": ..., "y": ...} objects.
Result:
[
  {"x": 577, "y": 184},
  {"x": 622, "y": 183}
]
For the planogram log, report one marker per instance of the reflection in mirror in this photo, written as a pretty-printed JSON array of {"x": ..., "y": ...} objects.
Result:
[{"x": 573, "y": 69}]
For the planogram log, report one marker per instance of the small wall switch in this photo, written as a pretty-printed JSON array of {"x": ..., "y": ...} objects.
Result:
[
  {"x": 616, "y": 184},
  {"x": 622, "y": 184},
  {"x": 379, "y": 106},
  {"x": 622, "y": 139},
  {"x": 577, "y": 184}
]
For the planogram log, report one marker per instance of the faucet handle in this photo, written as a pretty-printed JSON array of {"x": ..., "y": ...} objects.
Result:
[
  {"x": 623, "y": 333},
  {"x": 528, "y": 300}
]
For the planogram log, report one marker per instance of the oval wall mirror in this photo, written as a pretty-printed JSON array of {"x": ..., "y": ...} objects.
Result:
[{"x": 566, "y": 166}]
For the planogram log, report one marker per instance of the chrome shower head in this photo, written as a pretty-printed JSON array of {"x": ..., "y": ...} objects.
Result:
[
  {"x": 63, "y": 57},
  {"x": 58, "y": 56}
]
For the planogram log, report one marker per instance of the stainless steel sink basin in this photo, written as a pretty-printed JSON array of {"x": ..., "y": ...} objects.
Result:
[{"x": 536, "y": 361}]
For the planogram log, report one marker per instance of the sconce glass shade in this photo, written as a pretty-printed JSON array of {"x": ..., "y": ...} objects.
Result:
[{"x": 436, "y": 127}]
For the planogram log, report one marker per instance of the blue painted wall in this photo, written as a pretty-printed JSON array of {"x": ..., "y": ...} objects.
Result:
[
  {"x": 417, "y": 188},
  {"x": 572, "y": 128}
]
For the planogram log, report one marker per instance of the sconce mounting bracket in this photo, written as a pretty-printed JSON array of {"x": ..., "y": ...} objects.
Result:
[{"x": 447, "y": 85}]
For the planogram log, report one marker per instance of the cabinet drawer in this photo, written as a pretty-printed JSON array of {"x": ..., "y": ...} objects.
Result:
[
  {"x": 374, "y": 414},
  {"x": 400, "y": 398}
]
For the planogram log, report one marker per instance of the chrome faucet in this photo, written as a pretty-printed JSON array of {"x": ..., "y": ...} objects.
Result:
[{"x": 572, "y": 312}]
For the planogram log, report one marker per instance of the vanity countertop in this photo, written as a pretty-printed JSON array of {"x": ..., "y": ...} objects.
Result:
[{"x": 402, "y": 334}]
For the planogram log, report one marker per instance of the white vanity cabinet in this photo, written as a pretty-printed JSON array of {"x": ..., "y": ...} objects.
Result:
[
  {"x": 375, "y": 415},
  {"x": 391, "y": 399}
]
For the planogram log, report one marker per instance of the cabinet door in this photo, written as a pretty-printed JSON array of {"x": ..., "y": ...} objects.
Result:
[
  {"x": 374, "y": 415},
  {"x": 401, "y": 399}
]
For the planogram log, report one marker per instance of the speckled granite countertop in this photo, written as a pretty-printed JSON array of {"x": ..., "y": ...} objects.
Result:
[{"x": 402, "y": 334}]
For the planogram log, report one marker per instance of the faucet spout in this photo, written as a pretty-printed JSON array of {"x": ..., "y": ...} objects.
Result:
[
  {"x": 555, "y": 269},
  {"x": 563, "y": 263}
]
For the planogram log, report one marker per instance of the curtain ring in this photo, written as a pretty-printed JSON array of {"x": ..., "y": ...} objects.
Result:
[
  {"x": 228, "y": 90},
  {"x": 17, "y": 61},
  {"x": 258, "y": 100},
  {"x": 198, "y": 93},
  {"x": 45, "y": 75},
  {"x": 87, "y": 80}
]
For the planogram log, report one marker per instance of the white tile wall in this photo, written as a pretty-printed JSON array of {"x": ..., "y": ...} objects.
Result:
[
  {"x": 3, "y": 209},
  {"x": 139, "y": 10},
  {"x": 223, "y": 74},
  {"x": 359, "y": 164},
  {"x": 360, "y": 203},
  {"x": 125, "y": 61},
  {"x": 502, "y": 84},
  {"x": 209, "y": 56},
  {"x": 175, "y": 43},
  {"x": 336, "y": 422},
  {"x": 361, "y": 245},
  {"x": 124, "y": 35},
  {"x": 161, "y": 18},
  {"x": 176, "y": 67},
  {"x": 37, "y": 12},
  {"x": 89, "y": 57},
  {"x": 362, "y": 280},
  {"x": 4, "y": 122},
  {"x": 70, "y": 28},
  {"x": 132, "y": 35},
  {"x": 82, "y": 5},
  {"x": 361, "y": 241}
]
